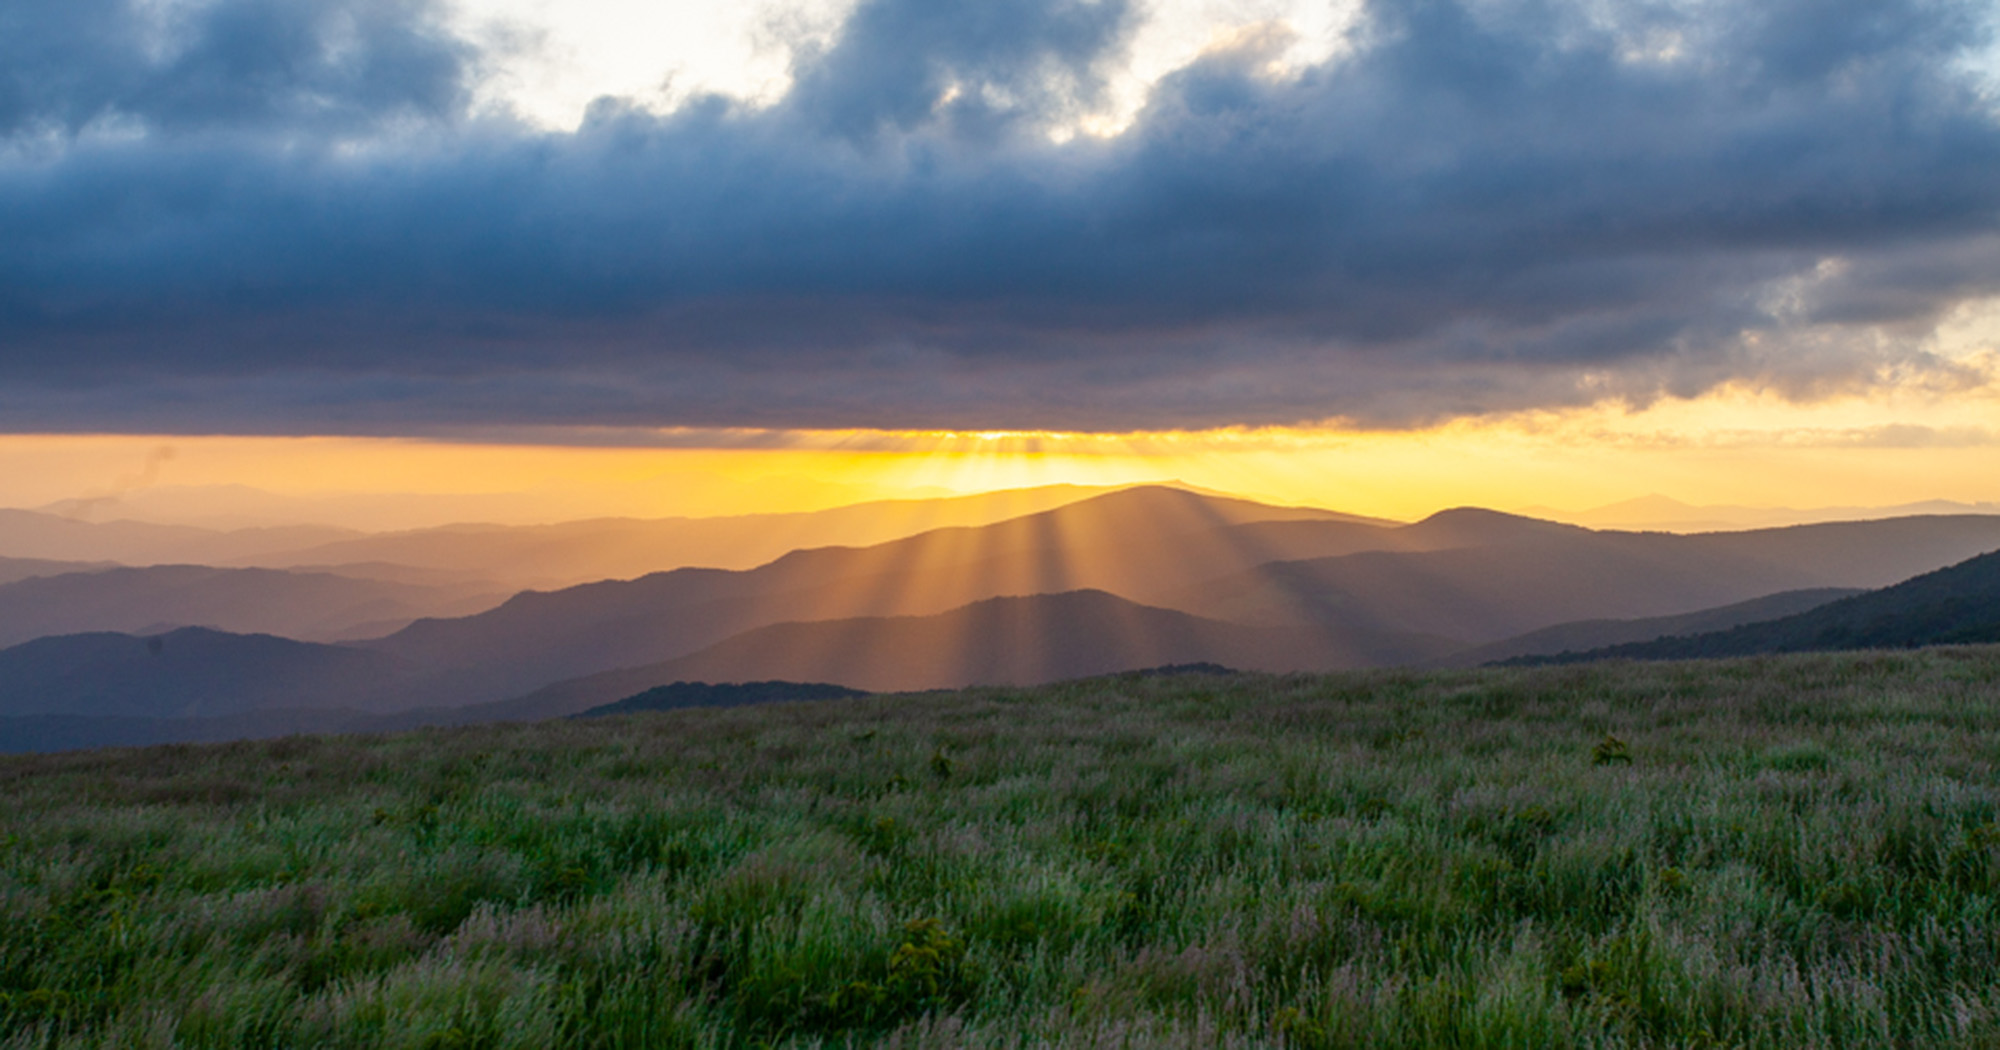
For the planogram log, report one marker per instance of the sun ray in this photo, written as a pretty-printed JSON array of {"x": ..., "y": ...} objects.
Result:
[{"x": 1734, "y": 446}]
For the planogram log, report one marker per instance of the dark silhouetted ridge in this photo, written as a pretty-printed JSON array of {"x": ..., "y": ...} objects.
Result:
[
  {"x": 188, "y": 673},
  {"x": 729, "y": 694},
  {"x": 1596, "y": 634},
  {"x": 1955, "y": 605},
  {"x": 1173, "y": 670}
]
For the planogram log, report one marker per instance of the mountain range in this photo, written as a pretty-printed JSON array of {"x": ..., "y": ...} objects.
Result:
[
  {"x": 192, "y": 672},
  {"x": 1956, "y": 605},
  {"x": 311, "y": 606},
  {"x": 1596, "y": 634},
  {"x": 1105, "y": 582},
  {"x": 1465, "y": 577},
  {"x": 1660, "y": 513},
  {"x": 518, "y": 556},
  {"x": 1487, "y": 576}
]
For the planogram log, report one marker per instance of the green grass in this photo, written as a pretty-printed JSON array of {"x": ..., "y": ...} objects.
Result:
[{"x": 1784, "y": 852}]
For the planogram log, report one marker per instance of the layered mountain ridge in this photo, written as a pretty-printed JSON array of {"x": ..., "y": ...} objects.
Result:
[
  {"x": 1112, "y": 581},
  {"x": 1956, "y": 605}
]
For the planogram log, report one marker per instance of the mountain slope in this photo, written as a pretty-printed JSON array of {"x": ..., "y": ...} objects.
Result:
[
  {"x": 191, "y": 673},
  {"x": 920, "y": 611},
  {"x": 535, "y": 639},
  {"x": 77, "y": 732},
  {"x": 1592, "y": 634},
  {"x": 1511, "y": 576},
  {"x": 678, "y": 695},
  {"x": 550, "y": 555},
  {"x": 1661, "y": 513},
  {"x": 1473, "y": 576},
  {"x": 308, "y": 606},
  {"x": 12, "y": 569},
  {"x": 1023, "y": 640},
  {"x": 1955, "y": 605},
  {"x": 623, "y": 548},
  {"x": 1132, "y": 540},
  {"x": 33, "y": 534}
]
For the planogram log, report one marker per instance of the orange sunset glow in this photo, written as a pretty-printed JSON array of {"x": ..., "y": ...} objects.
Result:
[
  {"x": 1000, "y": 524},
  {"x": 1736, "y": 449}
]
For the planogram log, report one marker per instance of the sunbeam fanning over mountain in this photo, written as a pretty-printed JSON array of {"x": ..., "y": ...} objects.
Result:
[{"x": 980, "y": 523}]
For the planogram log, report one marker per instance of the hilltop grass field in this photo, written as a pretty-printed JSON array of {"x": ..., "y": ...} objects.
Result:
[{"x": 1785, "y": 852}]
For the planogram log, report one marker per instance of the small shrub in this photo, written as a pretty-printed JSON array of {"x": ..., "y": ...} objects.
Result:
[
  {"x": 1590, "y": 977},
  {"x": 925, "y": 971},
  {"x": 1611, "y": 751}
]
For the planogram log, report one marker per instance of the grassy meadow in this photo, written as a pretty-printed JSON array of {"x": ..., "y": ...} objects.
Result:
[{"x": 1779, "y": 852}]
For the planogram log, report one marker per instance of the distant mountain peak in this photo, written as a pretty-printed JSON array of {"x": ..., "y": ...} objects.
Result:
[
  {"x": 1650, "y": 503},
  {"x": 1482, "y": 525},
  {"x": 1239, "y": 508},
  {"x": 1469, "y": 513}
]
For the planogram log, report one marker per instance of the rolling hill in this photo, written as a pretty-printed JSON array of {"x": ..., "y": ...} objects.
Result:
[
  {"x": 1466, "y": 853},
  {"x": 12, "y": 569},
  {"x": 1507, "y": 576},
  {"x": 1660, "y": 513},
  {"x": 309, "y": 606},
  {"x": 192, "y": 673},
  {"x": 95, "y": 689},
  {"x": 1593, "y": 634},
  {"x": 676, "y": 695},
  {"x": 25, "y": 733},
  {"x": 1135, "y": 539},
  {"x": 35, "y": 534},
  {"x": 1952, "y": 606},
  {"x": 1475, "y": 577},
  {"x": 554, "y": 555},
  {"x": 1016, "y": 640},
  {"x": 1139, "y": 577},
  {"x": 569, "y": 553},
  {"x": 1028, "y": 640}
]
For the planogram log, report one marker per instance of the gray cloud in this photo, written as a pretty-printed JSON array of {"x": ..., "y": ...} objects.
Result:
[
  {"x": 977, "y": 69},
  {"x": 1477, "y": 207},
  {"x": 301, "y": 67}
]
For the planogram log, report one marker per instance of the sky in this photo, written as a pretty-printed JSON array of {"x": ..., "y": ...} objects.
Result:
[{"x": 1388, "y": 255}]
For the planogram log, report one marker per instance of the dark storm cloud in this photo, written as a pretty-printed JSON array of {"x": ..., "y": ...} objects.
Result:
[
  {"x": 290, "y": 67},
  {"x": 280, "y": 216}
]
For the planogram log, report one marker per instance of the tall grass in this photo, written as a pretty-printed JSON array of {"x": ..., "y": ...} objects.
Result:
[{"x": 1786, "y": 852}]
